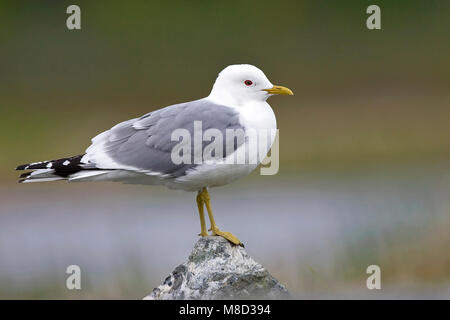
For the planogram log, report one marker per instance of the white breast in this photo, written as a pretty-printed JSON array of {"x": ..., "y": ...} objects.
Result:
[{"x": 258, "y": 117}]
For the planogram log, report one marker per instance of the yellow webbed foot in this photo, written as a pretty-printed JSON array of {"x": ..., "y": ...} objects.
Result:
[{"x": 227, "y": 235}]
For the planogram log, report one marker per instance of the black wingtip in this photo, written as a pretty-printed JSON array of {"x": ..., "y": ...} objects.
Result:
[
  {"x": 22, "y": 167},
  {"x": 25, "y": 175}
]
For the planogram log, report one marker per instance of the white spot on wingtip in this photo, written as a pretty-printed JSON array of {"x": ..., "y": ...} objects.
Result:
[{"x": 66, "y": 163}]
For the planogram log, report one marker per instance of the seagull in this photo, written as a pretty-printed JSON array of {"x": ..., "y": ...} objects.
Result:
[{"x": 141, "y": 150}]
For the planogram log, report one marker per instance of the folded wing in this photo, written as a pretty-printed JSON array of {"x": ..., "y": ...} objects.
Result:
[{"x": 144, "y": 144}]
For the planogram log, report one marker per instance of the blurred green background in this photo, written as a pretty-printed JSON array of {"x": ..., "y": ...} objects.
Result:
[{"x": 364, "y": 143}]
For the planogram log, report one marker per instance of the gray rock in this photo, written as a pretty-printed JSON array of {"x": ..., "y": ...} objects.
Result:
[{"x": 217, "y": 269}]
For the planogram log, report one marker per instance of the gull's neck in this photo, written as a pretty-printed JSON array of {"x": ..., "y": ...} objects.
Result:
[
  {"x": 224, "y": 98},
  {"x": 253, "y": 113}
]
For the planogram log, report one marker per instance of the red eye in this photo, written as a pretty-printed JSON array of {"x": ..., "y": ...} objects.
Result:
[{"x": 248, "y": 82}]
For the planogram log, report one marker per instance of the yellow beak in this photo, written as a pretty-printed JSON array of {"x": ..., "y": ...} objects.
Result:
[{"x": 280, "y": 90}]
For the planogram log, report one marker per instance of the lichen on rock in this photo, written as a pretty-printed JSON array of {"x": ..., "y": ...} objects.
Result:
[{"x": 217, "y": 269}]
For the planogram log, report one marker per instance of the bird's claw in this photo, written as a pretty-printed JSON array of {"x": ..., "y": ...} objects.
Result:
[{"x": 227, "y": 235}]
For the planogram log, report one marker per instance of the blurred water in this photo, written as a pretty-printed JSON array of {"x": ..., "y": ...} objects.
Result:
[{"x": 315, "y": 232}]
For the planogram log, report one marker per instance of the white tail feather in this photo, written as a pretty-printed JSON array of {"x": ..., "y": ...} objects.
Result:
[
  {"x": 88, "y": 175},
  {"x": 42, "y": 175}
]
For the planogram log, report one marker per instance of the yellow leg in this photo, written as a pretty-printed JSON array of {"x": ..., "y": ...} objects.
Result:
[
  {"x": 201, "y": 212},
  {"x": 204, "y": 195}
]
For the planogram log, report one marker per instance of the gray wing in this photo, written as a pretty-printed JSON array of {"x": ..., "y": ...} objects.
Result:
[{"x": 144, "y": 144}]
